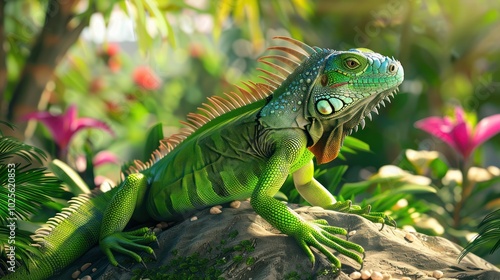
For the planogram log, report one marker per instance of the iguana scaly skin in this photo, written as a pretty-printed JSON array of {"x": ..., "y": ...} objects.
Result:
[{"x": 241, "y": 146}]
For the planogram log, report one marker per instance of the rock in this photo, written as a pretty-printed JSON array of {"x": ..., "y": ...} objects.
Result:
[
  {"x": 365, "y": 274},
  {"x": 235, "y": 204},
  {"x": 437, "y": 274},
  {"x": 377, "y": 276},
  {"x": 215, "y": 210},
  {"x": 239, "y": 244},
  {"x": 85, "y": 266},
  {"x": 355, "y": 275}
]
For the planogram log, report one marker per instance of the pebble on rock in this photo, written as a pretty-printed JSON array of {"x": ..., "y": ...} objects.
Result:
[
  {"x": 85, "y": 266},
  {"x": 409, "y": 237},
  {"x": 365, "y": 274},
  {"x": 194, "y": 218},
  {"x": 235, "y": 204},
  {"x": 75, "y": 274},
  {"x": 355, "y": 275},
  {"x": 437, "y": 274},
  {"x": 377, "y": 276},
  {"x": 215, "y": 210}
]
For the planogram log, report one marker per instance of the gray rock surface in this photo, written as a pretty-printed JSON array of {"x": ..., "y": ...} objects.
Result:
[{"x": 242, "y": 245}]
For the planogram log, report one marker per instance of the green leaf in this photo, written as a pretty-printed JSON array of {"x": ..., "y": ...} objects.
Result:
[
  {"x": 413, "y": 189},
  {"x": 334, "y": 176},
  {"x": 69, "y": 176},
  {"x": 144, "y": 38},
  {"x": 155, "y": 134},
  {"x": 439, "y": 168},
  {"x": 161, "y": 21},
  {"x": 356, "y": 144}
]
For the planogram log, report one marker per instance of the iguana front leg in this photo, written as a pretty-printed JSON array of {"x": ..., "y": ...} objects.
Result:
[
  {"x": 116, "y": 217},
  {"x": 315, "y": 233},
  {"x": 316, "y": 194}
]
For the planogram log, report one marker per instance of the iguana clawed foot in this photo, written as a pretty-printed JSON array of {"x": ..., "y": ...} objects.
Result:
[
  {"x": 320, "y": 235},
  {"x": 365, "y": 212},
  {"x": 127, "y": 243}
]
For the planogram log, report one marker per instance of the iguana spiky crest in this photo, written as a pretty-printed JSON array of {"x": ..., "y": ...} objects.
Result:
[
  {"x": 75, "y": 204},
  {"x": 217, "y": 106}
]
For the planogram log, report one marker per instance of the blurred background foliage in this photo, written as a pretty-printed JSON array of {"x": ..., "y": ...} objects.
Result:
[{"x": 133, "y": 64}]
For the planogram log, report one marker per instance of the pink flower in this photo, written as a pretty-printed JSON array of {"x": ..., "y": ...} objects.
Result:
[
  {"x": 104, "y": 157},
  {"x": 145, "y": 78},
  {"x": 458, "y": 133},
  {"x": 64, "y": 126}
]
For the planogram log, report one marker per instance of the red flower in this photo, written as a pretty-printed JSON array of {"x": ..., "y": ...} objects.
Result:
[
  {"x": 114, "y": 64},
  {"x": 112, "y": 49},
  {"x": 145, "y": 78}
]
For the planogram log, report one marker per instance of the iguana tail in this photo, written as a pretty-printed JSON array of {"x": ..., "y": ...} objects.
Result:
[{"x": 66, "y": 236}]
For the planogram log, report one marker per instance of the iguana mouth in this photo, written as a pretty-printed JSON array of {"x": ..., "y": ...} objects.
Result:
[{"x": 365, "y": 110}]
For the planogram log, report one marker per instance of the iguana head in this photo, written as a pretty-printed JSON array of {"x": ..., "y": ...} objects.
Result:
[
  {"x": 348, "y": 87},
  {"x": 330, "y": 93}
]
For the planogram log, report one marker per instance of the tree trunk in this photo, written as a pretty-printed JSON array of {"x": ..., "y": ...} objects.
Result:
[{"x": 60, "y": 31}]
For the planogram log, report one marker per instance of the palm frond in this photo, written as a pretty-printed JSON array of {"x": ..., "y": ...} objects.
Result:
[
  {"x": 24, "y": 190},
  {"x": 489, "y": 231},
  {"x": 11, "y": 147},
  {"x": 9, "y": 125}
]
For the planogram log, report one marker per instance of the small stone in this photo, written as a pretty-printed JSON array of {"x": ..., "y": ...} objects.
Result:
[
  {"x": 156, "y": 230},
  {"x": 437, "y": 274},
  {"x": 377, "y": 275},
  {"x": 163, "y": 225},
  {"x": 352, "y": 232},
  {"x": 215, "y": 210},
  {"x": 355, "y": 275},
  {"x": 235, "y": 204},
  {"x": 218, "y": 206},
  {"x": 405, "y": 278},
  {"x": 409, "y": 237},
  {"x": 365, "y": 274},
  {"x": 75, "y": 274},
  {"x": 86, "y": 277},
  {"x": 194, "y": 218},
  {"x": 94, "y": 269},
  {"x": 85, "y": 266},
  {"x": 386, "y": 276}
]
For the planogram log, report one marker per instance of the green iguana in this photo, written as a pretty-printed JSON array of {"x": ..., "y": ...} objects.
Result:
[{"x": 238, "y": 147}]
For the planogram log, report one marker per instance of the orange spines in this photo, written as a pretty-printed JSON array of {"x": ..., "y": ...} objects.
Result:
[{"x": 216, "y": 106}]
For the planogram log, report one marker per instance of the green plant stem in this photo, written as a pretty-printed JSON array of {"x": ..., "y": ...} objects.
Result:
[{"x": 467, "y": 188}]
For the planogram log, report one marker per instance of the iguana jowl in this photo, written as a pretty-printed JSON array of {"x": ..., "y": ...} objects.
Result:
[{"x": 241, "y": 146}]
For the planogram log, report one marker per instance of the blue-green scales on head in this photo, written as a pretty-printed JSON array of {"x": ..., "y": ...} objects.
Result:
[{"x": 330, "y": 93}]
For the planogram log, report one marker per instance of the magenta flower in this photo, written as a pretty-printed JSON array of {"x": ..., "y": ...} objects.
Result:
[
  {"x": 64, "y": 126},
  {"x": 458, "y": 133}
]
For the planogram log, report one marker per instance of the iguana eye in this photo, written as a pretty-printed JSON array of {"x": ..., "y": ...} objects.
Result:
[
  {"x": 324, "y": 80},
  {"x": 351, "y": 63}
]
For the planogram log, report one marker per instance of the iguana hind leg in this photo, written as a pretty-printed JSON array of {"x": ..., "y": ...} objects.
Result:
[{"x": 118, "y": 214}]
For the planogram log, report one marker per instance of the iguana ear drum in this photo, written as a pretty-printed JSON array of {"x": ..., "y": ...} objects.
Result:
[{"x": 329, "y": 106}]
